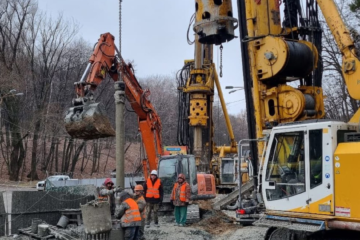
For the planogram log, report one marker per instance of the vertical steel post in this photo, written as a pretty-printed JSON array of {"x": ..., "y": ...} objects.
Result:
[
  {"x": 197, "y": 134},
  {"x": 120, "y": 125},
  {"x": 120, "y": 139},
  {"x": 120, "y": 132}
]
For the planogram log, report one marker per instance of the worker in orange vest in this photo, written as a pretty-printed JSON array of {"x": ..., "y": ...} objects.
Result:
[
  {"x": 154, "y": 193},
  {"x": 106, "y": 193},
  {"x": 128, "y": 213},
  {"x": 180, "y": 198},
  {"x": 139, "y": 199}
]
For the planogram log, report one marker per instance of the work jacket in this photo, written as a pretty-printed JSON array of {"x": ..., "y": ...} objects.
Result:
[
  {"x": 181, "y": 194},
  {"x": 153, "y": 191},
  {"x": 129, "y": 213},
  {"x": 141, "y": 204},
  {"x": 107, "y": 195}
]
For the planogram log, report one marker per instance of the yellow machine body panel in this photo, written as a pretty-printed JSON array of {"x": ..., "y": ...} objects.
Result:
[
  {"x": 316, "y": 206},
  {"x": 347, "y": 176}
]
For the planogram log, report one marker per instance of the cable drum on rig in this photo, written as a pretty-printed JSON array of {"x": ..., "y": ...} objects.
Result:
[
  {"x": 300, "y": 60},
  {"x": 278, "y": 58}
]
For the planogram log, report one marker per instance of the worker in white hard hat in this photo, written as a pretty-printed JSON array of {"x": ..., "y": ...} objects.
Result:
[{"x": 154, "y": 193}]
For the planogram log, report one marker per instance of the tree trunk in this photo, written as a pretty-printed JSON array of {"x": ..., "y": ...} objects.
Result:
[
  {"x": 57, "y": 155},
  {"x": 50, "y": 155},
  {"x": 64, "y": 155},
  {"x": 76, "y": 156},
  {"x": 95, "y": 150},
  {"x": 68, "y": 154},
  {"x": 33, "y": 173},
  {"x": 16, "y": 157},
  {"x": 82, "y": 168}
]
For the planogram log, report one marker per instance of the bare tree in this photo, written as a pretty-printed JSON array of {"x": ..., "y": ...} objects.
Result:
[
  {"x": 46, "y": 46},
  {"x": 13, "y": 23},
  {"x": 338, "y": 104}
]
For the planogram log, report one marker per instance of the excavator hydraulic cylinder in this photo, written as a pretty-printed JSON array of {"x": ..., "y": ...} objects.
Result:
[{"x": 214, "y": 22}]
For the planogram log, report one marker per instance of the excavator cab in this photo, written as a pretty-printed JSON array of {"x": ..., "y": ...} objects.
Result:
[{"x": 87, "y": 120}]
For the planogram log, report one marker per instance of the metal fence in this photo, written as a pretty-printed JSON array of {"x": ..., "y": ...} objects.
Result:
[{"x": 18, "y": 208}]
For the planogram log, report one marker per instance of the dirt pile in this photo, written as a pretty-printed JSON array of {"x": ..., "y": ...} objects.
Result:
[
  {"x": 217, "y": 223},
  {"x": 90, "y": 127}
]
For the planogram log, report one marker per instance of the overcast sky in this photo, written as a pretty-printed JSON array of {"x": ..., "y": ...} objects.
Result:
[{"x": 153, "y": 35}]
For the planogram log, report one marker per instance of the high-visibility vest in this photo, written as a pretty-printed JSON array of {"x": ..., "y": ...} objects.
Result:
[
  {"x": 153, "y": 190},
  {"x": 132, "y": 214},
  {"x": 103, "y": 198},
  {"x": 143, "y": 215},
  {"x": 182, "y": 192}
]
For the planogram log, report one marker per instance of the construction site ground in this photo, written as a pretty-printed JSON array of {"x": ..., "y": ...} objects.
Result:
[
  {"x": 216, "y": 230},
  {"x": 214, "y": 224}
]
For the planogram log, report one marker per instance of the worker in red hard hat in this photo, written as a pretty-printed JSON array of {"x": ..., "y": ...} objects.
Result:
[
  {"x": 180, "y": 198},
  {"x": 154, "y": 193},
  {"x": 106, "y": 193},
  {"x": 139, "y": 199}
]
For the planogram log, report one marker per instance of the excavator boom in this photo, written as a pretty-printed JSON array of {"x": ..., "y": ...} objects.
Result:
[{"x": 87, "y": 120}]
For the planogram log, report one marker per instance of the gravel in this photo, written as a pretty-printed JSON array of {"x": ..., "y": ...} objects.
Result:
[{"x": 167, "y": 230}]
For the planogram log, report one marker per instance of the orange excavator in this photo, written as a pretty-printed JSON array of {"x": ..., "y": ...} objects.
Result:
[{"x": 86, "y": 120}]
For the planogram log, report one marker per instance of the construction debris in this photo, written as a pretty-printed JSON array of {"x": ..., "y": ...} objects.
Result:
[
  {"x": 232, "y": 197},
  {"x": 213, "y": 225}
]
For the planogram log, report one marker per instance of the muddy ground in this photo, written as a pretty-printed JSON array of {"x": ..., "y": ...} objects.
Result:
[
  {"x": 214, "y": 225},
  {"x": 211, "y": 228}
]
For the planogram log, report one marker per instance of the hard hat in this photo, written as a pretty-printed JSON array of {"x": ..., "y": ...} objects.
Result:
[
  {"x": 139, "y": 188},
  {"x": 181, "y": 175},
  {"x": 108, "y": 180},
  {"x": 154, "y": 172}
]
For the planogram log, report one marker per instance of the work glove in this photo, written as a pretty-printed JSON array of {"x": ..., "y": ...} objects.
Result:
[{"x": 119, "y": 189}]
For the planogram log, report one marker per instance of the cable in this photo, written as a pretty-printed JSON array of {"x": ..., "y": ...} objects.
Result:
[
  {"x": 192, "y": 19},
  {"x": 183, "y": 130}
]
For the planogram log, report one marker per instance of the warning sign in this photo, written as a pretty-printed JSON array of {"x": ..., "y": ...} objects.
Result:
[{"x": 342, "y": 212}]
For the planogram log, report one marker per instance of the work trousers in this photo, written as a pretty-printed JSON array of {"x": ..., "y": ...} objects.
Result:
[
  {"x": 142, "y": 230},
  {"x": 180, "y": 214},
  {"x": 131, "y": 233},
  {"x": 152, "y": 207}
]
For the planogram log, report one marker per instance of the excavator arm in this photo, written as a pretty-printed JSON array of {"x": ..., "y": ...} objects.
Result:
[
  {"x": 351, "y": 64},
  {"x": 86, "y": 120},
  {"x": 148, "y": 119}
]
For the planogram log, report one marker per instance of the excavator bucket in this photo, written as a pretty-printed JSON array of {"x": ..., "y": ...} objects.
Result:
[{"x": 88, "y": 121}]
